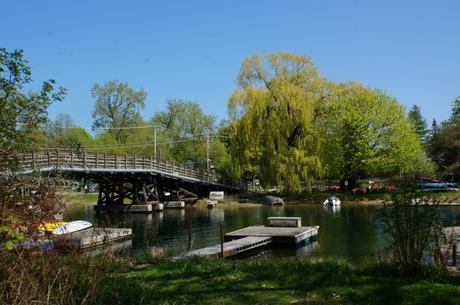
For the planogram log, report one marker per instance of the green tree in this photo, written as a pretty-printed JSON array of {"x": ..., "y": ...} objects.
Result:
[
  {"x": 63, "y": 133},
  {"x": 367, "y": 133},
  {"x": 21, "y": 113},
  {"x": 183, "y": 129},
  {"x": 419, "y": 123},
  {"x": 117, "y": 106},
  {"x": 273, "y": 115},
  {"x": 455, "y": 115}
]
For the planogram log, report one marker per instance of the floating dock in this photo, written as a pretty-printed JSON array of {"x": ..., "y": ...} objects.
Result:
[
  {"x": 279, "y": 235},
  {"x": 257, "y": 236},
  {"x": 452, "y": 246},
  {"x": 128, "y": 208},
  {"x": 92, "y": 237},
  {"x": 230, "y": 248}
]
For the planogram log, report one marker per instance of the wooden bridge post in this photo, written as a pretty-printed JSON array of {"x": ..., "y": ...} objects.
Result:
[
  {"x": 135, "y": 160},
  {"x": 143, "y": 162},
  {"x": 57, "y": 158},
  {"x": 84, "y": 159},
  {"x": 116, "y": 160},
  {"x": 71, "y": 158},
  {"x": 97, "y": 161},
  {"x": 105, "y": 160},
  {"x": 49, "y": 157},
  {"x": 126, "y": 161}
]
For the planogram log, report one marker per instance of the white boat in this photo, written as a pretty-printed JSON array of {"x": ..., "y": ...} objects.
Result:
[
  {"x": 72, "y": 226},
  {"x": 211, "y": 203},
  {"x": 332, "y": 201}
]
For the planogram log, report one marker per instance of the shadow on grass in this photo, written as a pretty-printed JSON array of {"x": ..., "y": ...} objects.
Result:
[{"x": 206, "y": 281}]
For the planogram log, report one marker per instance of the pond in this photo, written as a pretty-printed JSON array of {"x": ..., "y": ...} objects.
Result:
[{"x": 353, "y": 232}]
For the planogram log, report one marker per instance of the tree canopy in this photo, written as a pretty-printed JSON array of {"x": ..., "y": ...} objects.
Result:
[
  {"x": 272, "y": 113},
  {"x": 117, "y": 105},
  {"x": 419, "y": 123},
  {"x": 366, "y": 133},
  {"x": 21, "y": 113},
  {"x": 185, "y": 128},
  {"x": 444, "y": 145}
]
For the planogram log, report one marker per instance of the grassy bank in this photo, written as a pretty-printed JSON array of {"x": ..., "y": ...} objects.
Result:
[
  {"x": 77, "y": 197},
  {"x": 286, "y": 281},
  {"x": 371, "y": 198},
  {"x": 293, "y": 198}
]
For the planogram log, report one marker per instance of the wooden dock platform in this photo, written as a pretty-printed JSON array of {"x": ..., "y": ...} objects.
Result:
[
  {"x": 281, "y": 230},
  {"x": 129, "y": 208},
  {"x": 230, "y": 248},
  {"x": 279, "y": 235},
  {"x": 92, "y": 237}
]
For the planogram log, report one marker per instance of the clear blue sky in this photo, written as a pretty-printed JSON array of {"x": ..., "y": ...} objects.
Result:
[{"x": 192, "y": 50}]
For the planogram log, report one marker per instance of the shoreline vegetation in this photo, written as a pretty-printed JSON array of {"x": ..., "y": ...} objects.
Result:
[
  {"x": 444, "y": 197},
  {"x": 110, "y": 280}
]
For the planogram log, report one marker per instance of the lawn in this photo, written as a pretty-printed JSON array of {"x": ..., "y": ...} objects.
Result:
[{"x": 282, "y": 281}]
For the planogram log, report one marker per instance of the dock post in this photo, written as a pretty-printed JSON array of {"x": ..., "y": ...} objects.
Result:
[
  {"x": 222, "y": 240},
  {"x": 189, "y": 235},
  {"x": 454, "y": 254}
]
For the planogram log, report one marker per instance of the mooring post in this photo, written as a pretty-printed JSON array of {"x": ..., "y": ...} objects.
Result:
[
  {"x": 454, "y": 254},
  {"x": 222, "y": 240},
  {"x": 189, "y": 235}
]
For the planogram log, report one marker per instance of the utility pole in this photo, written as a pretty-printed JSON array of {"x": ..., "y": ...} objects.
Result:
[
  {"x": 155, "y": 142},
  {"x": 207, "y": 152}
]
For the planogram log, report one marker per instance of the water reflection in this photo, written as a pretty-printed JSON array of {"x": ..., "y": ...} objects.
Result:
[
  {"x": 332, "y": 209},
  {"x": 351, "y": 232}
]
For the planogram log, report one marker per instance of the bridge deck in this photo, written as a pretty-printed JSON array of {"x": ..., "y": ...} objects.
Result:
[{"x": 87, "y": 163}]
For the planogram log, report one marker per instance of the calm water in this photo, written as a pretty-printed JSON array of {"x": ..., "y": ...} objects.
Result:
[{"x": 351, "y": 232}]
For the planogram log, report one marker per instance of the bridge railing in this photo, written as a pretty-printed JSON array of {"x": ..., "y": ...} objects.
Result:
[{"x": 89, "y": 161}]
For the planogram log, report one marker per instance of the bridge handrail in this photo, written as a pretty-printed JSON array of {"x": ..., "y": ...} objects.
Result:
[{"x": 70, "y": 159}]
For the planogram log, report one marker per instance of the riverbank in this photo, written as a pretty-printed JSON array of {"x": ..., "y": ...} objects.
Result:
[
  {"x": 282, "y": 281},
  {"x": 445, "y": 197}
]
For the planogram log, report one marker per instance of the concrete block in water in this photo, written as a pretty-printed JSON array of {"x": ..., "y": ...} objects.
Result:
[
  {"x": 284, "y": 222},
  {"x": 174, "y": 204}
]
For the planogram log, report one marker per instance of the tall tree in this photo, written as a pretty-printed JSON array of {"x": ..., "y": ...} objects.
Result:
[
  {"x": 185, "y": 128},
  {"x": 273, "y": 112},
  {"x": 444, "y": 145},
  {"x": 455, "y": 115},
  {"x": 63, "y": 132},
  {"x": 117, "y": 106},
  {"x": 21, "y": 113},
  {"x": 366, "y": 133},
  {"x": 419, "y": 123}
]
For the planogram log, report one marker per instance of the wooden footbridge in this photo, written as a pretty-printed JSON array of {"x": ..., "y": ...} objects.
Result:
[{"x": 129, "y": 179}]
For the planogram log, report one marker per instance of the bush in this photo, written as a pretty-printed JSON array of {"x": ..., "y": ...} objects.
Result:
[{"x": 413, "y": 221}]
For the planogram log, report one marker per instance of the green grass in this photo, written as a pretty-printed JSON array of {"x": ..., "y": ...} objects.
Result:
[
  {"x": 314, "y": 197},
  {"x": 283, "y": 281},
  {"x": 70, "y": 197}
]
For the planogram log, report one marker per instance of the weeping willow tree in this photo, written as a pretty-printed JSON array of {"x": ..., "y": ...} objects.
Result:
[{"x": 273, "y": 114}]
